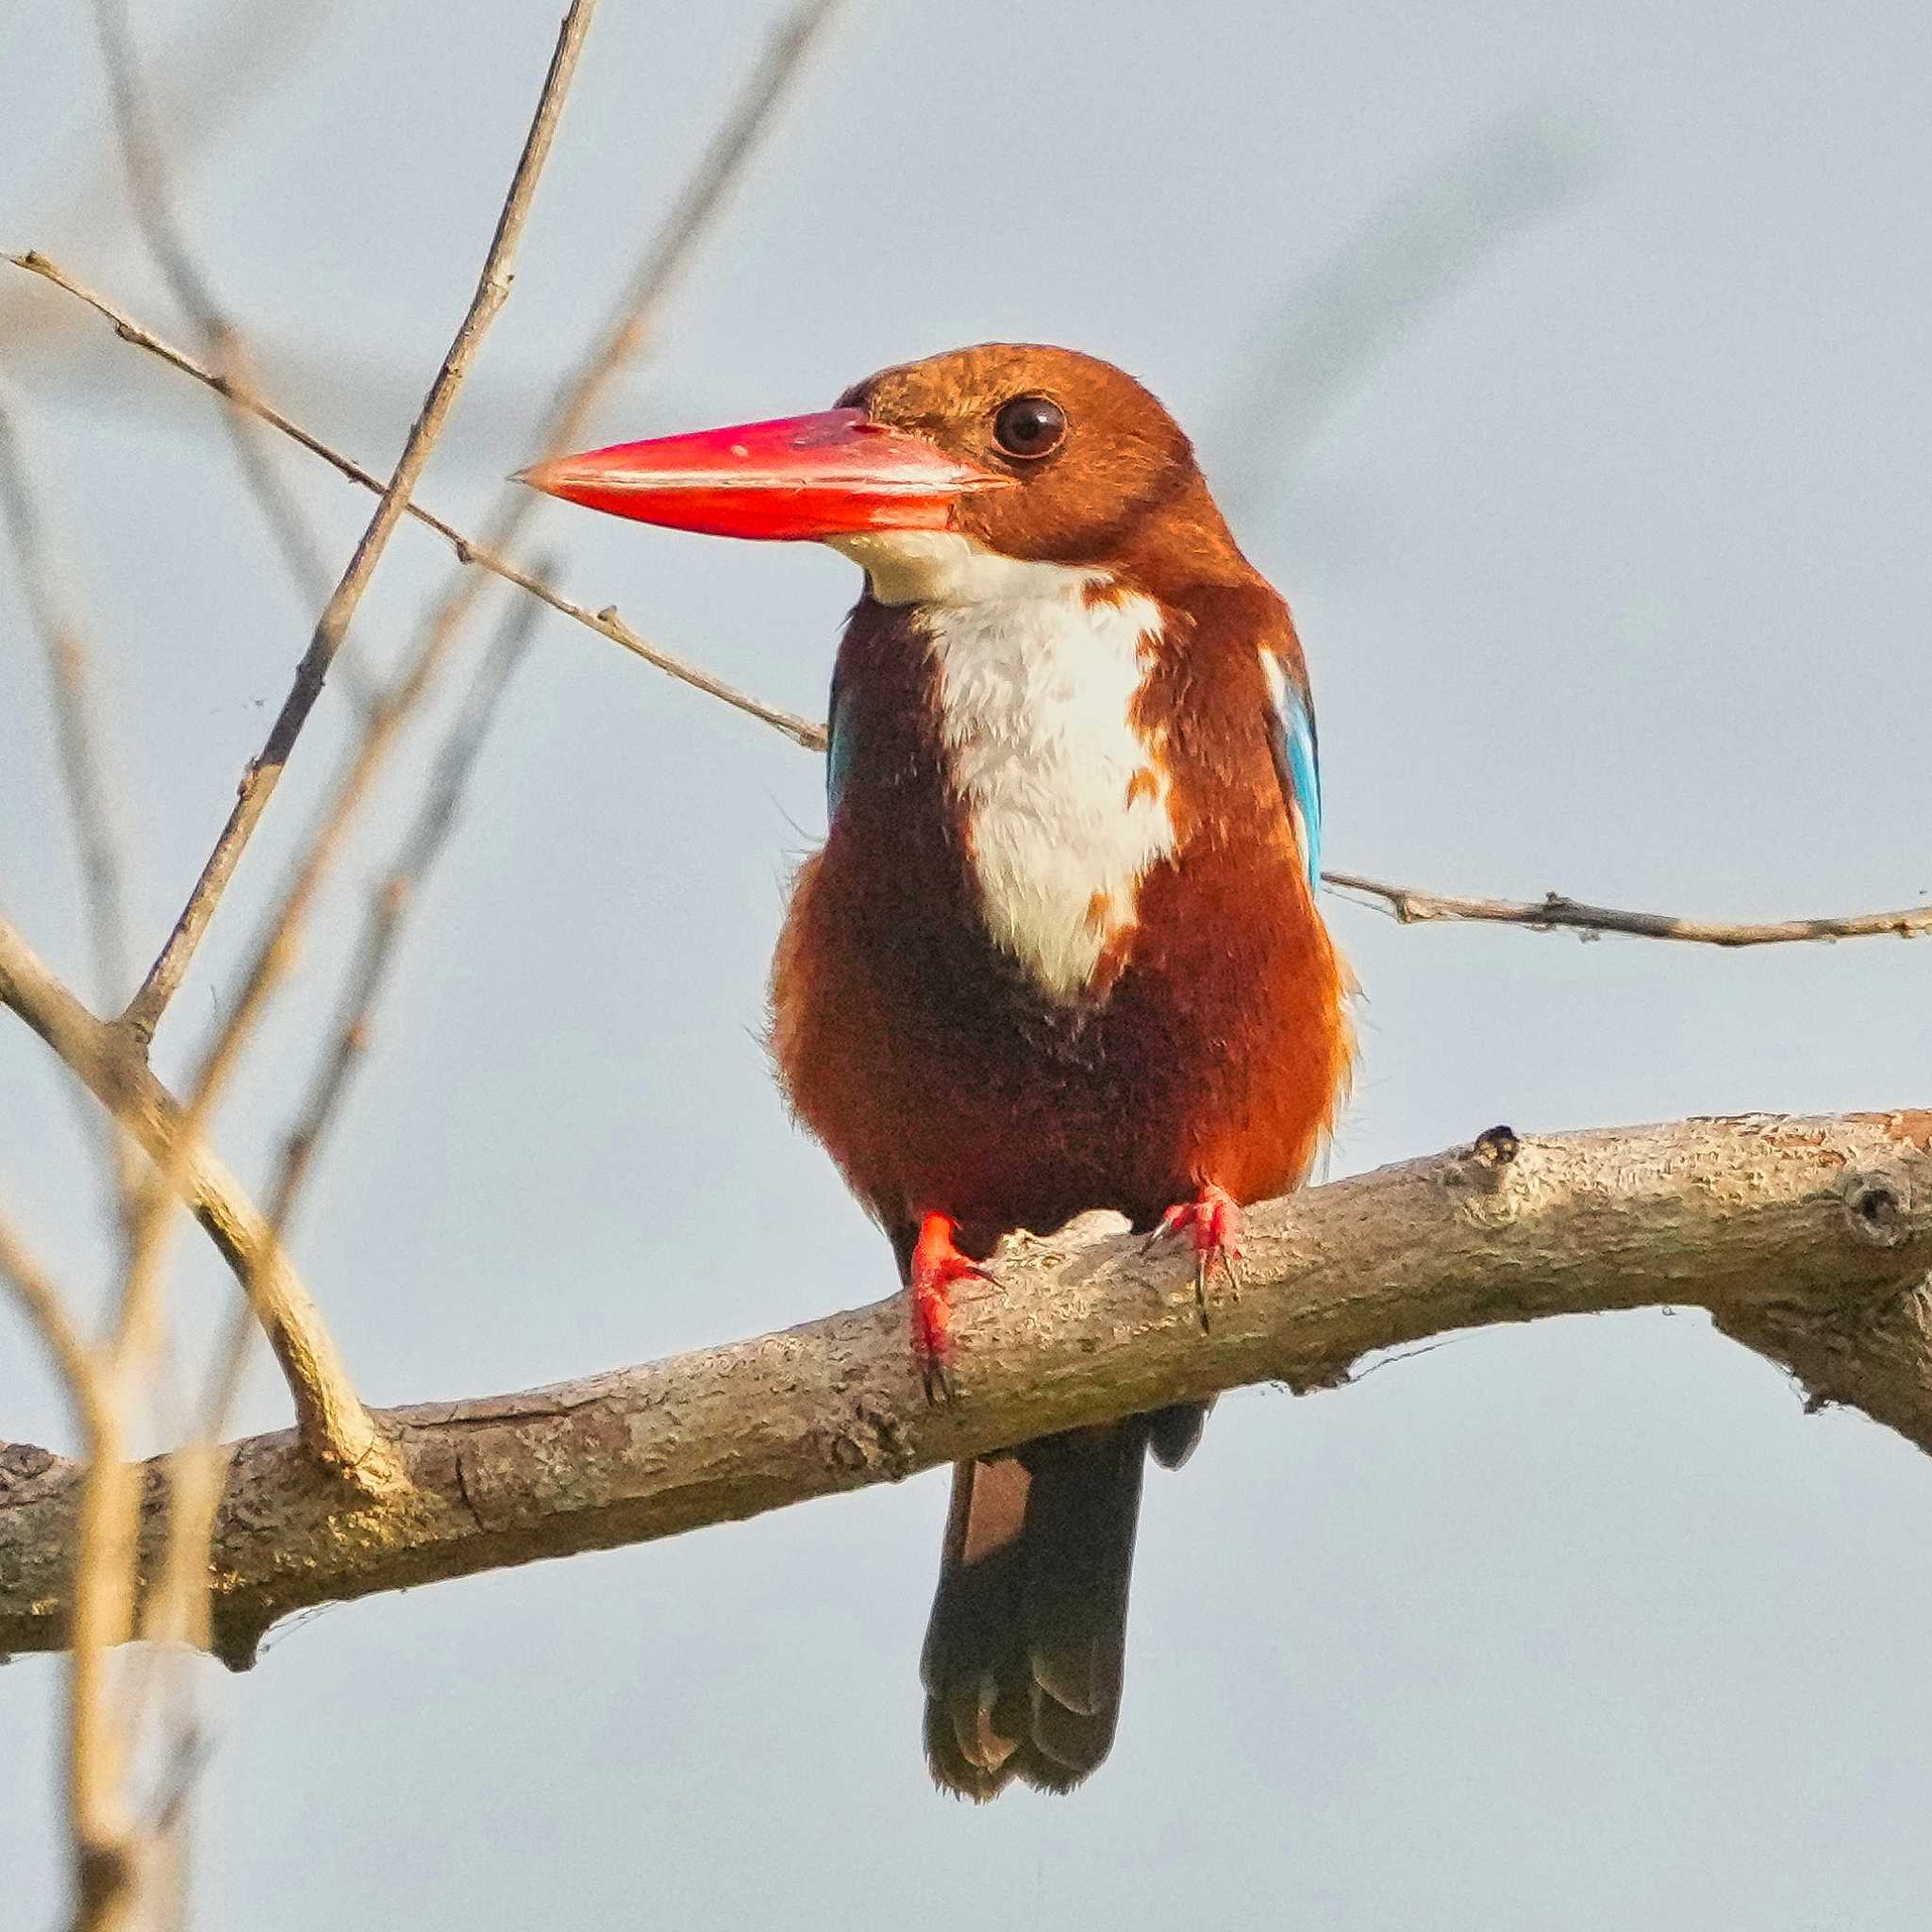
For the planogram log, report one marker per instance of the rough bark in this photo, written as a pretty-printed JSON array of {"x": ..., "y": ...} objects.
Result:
[{"x": 1809, "y": 1241}]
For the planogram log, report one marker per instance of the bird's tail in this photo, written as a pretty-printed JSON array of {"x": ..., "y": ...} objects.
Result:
[{"x": 1024, "y": 1648}]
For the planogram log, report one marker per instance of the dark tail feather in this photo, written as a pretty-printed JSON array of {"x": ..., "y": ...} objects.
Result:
[
  {"x": 976, "y": 1712},
  {"x": 1024, "y": 1650}
]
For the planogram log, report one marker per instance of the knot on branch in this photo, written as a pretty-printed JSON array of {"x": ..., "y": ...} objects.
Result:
[
  {"x": 1876, "y": 1208},
  {"x": 874, "y": 1442},
  {"x": 1484, "y": 1169},
  {"x": 21, "y": 1462}
]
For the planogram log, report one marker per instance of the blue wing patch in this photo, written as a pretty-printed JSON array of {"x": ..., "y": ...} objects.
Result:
[
  {"x": 840, "y": 739},
  {"x": 1297, "y": 760}
]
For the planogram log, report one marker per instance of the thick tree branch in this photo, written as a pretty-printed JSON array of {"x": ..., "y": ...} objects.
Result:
[{"x": 1808, "y": 1239}]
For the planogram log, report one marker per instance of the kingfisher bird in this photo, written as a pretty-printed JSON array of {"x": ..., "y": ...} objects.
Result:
[{"x": 1060, "y": 949}]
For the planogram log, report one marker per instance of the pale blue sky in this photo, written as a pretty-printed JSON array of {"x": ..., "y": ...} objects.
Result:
[{"x": 1610, "y": 552}]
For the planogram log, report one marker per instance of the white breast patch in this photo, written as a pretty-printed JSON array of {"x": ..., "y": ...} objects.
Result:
[{"x": 1066, "y": 804}]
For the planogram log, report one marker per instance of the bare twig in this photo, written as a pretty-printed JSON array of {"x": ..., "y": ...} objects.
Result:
[
  {"x": 633, "y": 322},
  {"x": 326, "y": 1404},
  {"x": 99, "y": 1744},
  {"x": 69, "y": 682},
  {"x": 360, "y": 1453},
  {"x": 176, "y": 1609},
  {"x": 802, "y": 731},
  {"x": 110, "y": 1057},
  {"x": 101, "y": 1589},
  {"x": 46, "y": 1310},
  {"x": 390, "y": 900},
  {"x": 89, "y": 809},
  {"x": 148, "y": 167},
  {"x": 249, "y": 48},
  {"x": 1404, "y": 257},
  {"x": 1412, "y": 906},
  {"x": 1808, "y": 1239},
  {"x": 349, "y": 1035},
  {"x": 258, "y": 783}
]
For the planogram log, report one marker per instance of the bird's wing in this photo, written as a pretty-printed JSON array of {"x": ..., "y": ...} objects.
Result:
[
  {"x": 840, "y": 737},
  {"x": 1297, "y": 757}
]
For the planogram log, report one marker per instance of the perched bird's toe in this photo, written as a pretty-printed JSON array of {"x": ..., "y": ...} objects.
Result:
[
  {"x": 1212, "y": 1220},
  {"x": 937, "y": 1268}
]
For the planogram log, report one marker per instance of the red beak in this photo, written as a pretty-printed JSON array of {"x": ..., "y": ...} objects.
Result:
[{"x": 799, "y": 477}]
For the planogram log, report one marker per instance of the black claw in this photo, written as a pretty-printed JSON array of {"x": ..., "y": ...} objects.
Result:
[
  {"x": 941, "y": 1391},
  {"x": 1203, "y": 1265},
  {"x": 1234, "y": 1275}
]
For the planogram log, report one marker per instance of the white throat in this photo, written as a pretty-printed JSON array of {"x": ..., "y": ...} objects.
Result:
[
  {"x": 942, "y": 567},
  {"x": 1066, "y": 800}
]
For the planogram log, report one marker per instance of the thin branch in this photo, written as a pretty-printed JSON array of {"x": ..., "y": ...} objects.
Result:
[
  {"x": 1412, "y": 906},
  {"x": 390, "y": 901},
  {"x": 76, "y": 714},
  {"x": 83, "y": 780},
  {"x": 355, "y": 1451},
  {"x": 606, "y": 623},
  {"x": 250, "y": 48},
  {"x": 99, "y": 1744},
  {"x": 1402, "y": 258},
  {"x": 177, "y": 1608},
  {"x": 108, "y": 1512},
  {"x": 100, "y": 1563},
  {"x": 632, "y": 324},
  {"x": 46, "y": 1311},
  {"x": 148, "y": 167},
  {"x": 328, "y": 1409},
  {"x": 1808, "y": 1239},
  {"x": 259, "y": 782},
  {"x": 388, "y": 906},
  {"x": 1409, "y": 904}
]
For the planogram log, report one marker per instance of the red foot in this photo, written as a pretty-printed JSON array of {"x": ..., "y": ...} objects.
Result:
[
  {"x": 937, "y": 1266},
  {"x": 1215, "y": 1222}
]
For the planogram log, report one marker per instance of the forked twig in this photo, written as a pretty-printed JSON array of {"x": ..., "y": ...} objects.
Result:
[
  {"x": 347, "y": 1043},
  {"x": 259, "y": 782},
  {"x": 326, "y": 1405},
  {"x": 341, "y": 1433}
]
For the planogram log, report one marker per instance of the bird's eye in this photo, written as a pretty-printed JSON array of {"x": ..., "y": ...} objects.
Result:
[{"x": 1030, "y": 426}]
